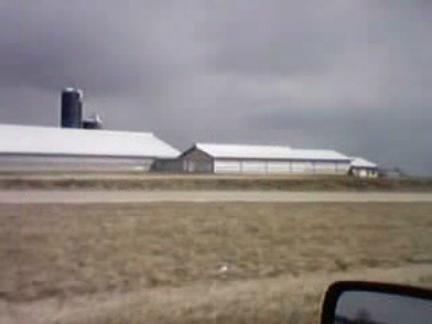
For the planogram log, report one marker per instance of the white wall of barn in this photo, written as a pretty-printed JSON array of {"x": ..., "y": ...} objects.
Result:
[
  {"x": 280, "y": 167},
  {"x": 224, "y": 166},
  {"x": 70, "y": 163}
]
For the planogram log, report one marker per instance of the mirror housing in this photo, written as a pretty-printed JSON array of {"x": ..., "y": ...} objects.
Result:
[{"x": 347, "y": 296}]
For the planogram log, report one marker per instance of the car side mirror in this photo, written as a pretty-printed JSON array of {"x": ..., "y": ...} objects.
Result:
[{"x": 376, "y": 303}]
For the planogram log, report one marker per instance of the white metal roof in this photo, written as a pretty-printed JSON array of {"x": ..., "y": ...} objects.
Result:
[
  {"x": 359, "y": 162},
  {"x": 267, "y": 152},
  {"x": 318, "y": 155},
  {"x": 66, "y": 141}
]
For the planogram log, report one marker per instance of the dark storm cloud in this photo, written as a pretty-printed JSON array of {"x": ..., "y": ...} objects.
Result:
[
  {"x": 350, "y": 75},
  {"x": 109, "y": 48}
]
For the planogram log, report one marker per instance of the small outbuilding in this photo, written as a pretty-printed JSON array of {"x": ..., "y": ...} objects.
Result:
[
  {"x": 261, "y": 159},
  {"x": 363, "y": 168}
]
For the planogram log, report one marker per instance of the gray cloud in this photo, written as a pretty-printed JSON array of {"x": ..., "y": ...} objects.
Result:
[{"x": 349, "y": 75}]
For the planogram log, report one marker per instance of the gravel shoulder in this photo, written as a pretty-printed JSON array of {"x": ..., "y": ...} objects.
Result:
[{"x": 83, "y": 197}]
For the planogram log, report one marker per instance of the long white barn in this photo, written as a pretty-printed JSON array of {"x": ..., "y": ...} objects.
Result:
[
  {"x": 262, "y": 159},
  {"x": 53, "y": 148}
]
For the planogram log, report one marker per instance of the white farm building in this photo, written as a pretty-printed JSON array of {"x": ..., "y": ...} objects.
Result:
[
  {"x": 261, "y": 159},
  {"x": 54, "y": 148},
  {"x": 363, "y": 168}
]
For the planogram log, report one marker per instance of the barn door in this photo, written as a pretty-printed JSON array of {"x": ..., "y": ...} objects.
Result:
[{"x": 191, "y": 166}]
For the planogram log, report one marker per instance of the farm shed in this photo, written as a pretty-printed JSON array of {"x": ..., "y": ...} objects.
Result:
[
  {"x": 52, "y": 148},
  {"x": 261, "y": 159},
  {"x": 363, "y": 168}
]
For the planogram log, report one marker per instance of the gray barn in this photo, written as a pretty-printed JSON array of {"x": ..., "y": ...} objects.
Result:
[{"x": 261, "y": 159}]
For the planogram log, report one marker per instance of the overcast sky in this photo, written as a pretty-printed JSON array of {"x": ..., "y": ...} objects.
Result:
[{"x": 354, "y": 76}]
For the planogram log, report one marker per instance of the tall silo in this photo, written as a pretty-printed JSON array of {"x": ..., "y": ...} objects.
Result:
[{"x": 71, "y": 108}]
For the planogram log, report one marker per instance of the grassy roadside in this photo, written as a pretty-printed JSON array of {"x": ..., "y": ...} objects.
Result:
[
  {"x": 175, "y": 182},
  {"x": 165, "y": 262},
  {"x": 284, "y": 299}
]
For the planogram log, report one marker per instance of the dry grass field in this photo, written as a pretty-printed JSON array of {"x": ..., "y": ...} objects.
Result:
[
  {"x": 155, "y": 181},
  {"x": 200, "y": 262}
]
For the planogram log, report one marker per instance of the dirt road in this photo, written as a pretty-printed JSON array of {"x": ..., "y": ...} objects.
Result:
[{"x": 83, "y": 197}]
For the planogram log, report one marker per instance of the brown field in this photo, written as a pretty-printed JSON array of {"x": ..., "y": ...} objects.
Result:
[
  {"x": 154, "y": 181},
  {"x": 164, "y": 263}
]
